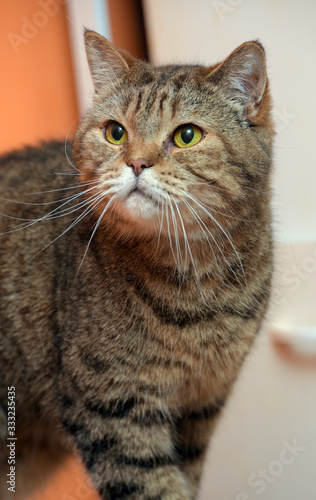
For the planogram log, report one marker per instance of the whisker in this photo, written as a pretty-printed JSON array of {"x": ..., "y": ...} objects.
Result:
[
  {"x": 224, "y": 232},
  {"x": 65, "y": 188},
  {"x": 176, "y": 235},
  {"x": 15, "y": 218},
  {"x": 169, "y": 236},
  {"x": 225, "y": 214},
  {"x": 94, "y": 231},
  {"x": 31, "y": 222},
  {"x": 161, "y": 224},
  {"x": 186, "y": 241},
  {"x": 75, "y": 208},
  {"x": 76, "y": 221},
  {"x": 64, "y": 173},
  {"x": 207, "y": 184},
  {"x": 43, "y": 203},
  {"x": 198, "y": 282},
  {"x": 210, "y": 183},
  {"x": 257, "y": 190},
  {"x": 66, "y": 153},
  {"x": 44, "y": 217},
  {"x": 199, "y": 221}
]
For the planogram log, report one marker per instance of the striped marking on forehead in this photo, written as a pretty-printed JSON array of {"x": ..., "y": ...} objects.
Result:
[{"x": 166, "y": 86}]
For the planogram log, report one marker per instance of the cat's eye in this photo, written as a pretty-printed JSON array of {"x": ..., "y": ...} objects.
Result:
[
  {"x": 115, "y": 133},
  {"x": 187, "y": 135}
]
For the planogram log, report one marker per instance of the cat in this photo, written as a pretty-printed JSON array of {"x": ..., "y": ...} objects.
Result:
[{"x": 135, "y": 272}]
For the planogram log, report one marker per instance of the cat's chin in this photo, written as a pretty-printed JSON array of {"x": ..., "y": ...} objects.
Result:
[{"x": 140, "y": 206}]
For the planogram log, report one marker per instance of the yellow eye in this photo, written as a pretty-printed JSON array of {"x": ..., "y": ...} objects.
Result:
[
  {"x": 187, "y": 135},
  {"x": 115, "y": 133}
]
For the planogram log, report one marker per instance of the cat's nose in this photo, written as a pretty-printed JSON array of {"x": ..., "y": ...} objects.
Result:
[{"x": 138, "y": 165}]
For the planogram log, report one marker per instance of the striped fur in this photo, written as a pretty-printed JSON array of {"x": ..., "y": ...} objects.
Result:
[{"x": 124, "y": 330}]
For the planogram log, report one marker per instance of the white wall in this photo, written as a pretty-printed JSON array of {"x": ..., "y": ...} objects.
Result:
[
  {"x": 273, "y": 405},
  {"x": 94, "y": 15}
]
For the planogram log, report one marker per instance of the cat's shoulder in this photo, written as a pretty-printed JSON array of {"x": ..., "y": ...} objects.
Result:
[
  {"x": 34, "y": 163},
  {"x": 30, "y": 156}
]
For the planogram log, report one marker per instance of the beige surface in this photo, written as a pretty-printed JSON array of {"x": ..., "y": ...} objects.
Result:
[{"x": 273, "y": 407}]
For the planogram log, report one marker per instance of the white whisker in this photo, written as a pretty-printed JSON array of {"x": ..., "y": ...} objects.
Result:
[
  {"x": 48, "y": 216},
  {"x": 204, "y": 230},
  {"x": 78, "y": 186},
  {"x": 78, "y": 219},
  {"x": 66, "y": 153},
  {"x": 94, "y": 231},
  {"x": 76, "y": 207},
  {"x": 161, "y": 224},
  {"x": 223, "y": 231},
  {"x": 43, "y": 203},
  {"x": 169, "y": 235},
  {"x": 176, "y": 236},
  {"x": 64, "y": 173},
  {"x": 186, "y": 241}
]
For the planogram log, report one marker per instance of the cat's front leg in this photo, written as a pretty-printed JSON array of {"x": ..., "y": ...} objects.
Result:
[
  {"x": 194, "y": 430},
  {"x": 129, "y": 451}
]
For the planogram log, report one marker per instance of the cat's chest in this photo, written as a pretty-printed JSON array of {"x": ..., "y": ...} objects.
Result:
[
  {"x": 161, "y": 331},
  {"x": 155, "y": 337}
]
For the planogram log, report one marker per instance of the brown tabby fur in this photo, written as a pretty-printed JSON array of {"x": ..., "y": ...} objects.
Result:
[{"x": 128, "y": 355}]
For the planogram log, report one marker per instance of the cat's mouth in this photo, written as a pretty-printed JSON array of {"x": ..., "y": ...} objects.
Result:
[
  {"x": 140, "y": 204},
  {"x": 141, "y": 193}
]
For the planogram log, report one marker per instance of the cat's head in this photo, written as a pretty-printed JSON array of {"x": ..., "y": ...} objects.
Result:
[{"x": 175, "y": 149}]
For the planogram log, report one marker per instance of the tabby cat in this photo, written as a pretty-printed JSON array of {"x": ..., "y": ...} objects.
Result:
[{"x": 135, "y": 272}]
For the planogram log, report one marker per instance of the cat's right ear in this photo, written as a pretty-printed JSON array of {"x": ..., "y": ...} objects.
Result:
[{"x": 107, "y": 64}]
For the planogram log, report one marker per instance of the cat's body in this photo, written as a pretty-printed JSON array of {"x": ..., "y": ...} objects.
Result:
[{"x": 128, "y": 350}]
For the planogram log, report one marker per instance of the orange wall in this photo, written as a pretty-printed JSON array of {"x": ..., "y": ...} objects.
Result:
[
  {"x": 70, "y": 482},
  {"x": 37, "y": 90}
]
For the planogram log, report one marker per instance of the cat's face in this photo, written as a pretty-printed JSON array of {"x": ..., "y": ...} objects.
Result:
[{"x": 168, "y": 147}]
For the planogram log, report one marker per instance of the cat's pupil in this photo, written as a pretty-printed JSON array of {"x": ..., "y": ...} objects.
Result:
[
  {"x": 187, "y": 135},
  {"x": 117, "y": 131}
]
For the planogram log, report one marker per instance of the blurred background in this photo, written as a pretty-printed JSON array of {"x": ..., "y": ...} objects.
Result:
[{"x": 265, "y": 446}]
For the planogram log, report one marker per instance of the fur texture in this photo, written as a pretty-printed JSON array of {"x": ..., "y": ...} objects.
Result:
[{"x": 132, "y": 290}]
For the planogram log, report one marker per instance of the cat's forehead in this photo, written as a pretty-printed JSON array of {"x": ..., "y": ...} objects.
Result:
[
  {"x": 161, "y": 83},
  {"x": 164, "y": 76},
  {"x": 156, "y": 96}
]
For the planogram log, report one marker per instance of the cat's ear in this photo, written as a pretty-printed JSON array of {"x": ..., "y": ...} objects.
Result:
[
  {"x": 243, "y": 74},
  {"x": 107, "y": 64}
]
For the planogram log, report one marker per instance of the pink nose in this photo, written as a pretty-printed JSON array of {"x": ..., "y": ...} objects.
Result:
[{"x": 138, "y": 165}]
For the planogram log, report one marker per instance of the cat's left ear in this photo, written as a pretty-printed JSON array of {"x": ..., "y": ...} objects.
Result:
[
  {"x": 243, "y": 74},
  {"x": 107, "y": 64}
]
